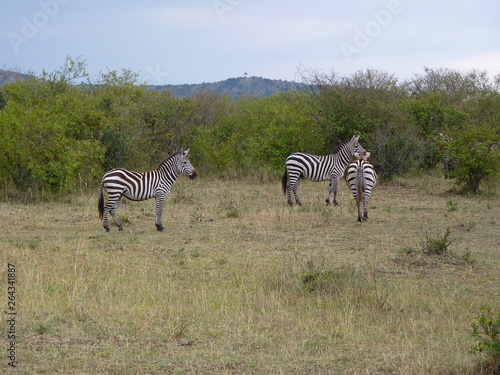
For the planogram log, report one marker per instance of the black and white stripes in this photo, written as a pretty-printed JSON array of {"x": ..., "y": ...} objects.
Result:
[
  {"x": 140, "y": 186},
  {"x": 318, "y": 168},
  {"x": 361, "y": 178}
]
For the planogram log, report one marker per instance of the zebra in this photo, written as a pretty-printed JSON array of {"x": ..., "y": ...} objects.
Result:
[
  {"x": 448, "y": 162},
  {"x": 318, "y": 168},
  {"x": 449, "y": 165},
  {"x": 361, "y": 178},
  {"x": 139, "y": 186}
]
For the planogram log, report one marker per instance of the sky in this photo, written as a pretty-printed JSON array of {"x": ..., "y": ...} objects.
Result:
[{"x": 195, "y": 41}]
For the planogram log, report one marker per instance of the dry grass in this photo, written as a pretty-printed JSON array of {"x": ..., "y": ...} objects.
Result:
[{"x": 240, "y": 283}]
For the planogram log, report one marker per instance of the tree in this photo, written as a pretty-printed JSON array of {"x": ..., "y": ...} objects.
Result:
[
  {"x": 48, "y": 133},
  {"x": 475, "y": 144}
]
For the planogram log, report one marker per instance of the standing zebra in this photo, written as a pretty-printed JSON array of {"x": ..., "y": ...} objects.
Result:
[
  {"x": 361, "y": 178},
  {"x": 318, "y": 168},
  {"x": 448, "y": 162},
  {"x": 139, "y": 186},
  {"x": 449, "y": 165}
]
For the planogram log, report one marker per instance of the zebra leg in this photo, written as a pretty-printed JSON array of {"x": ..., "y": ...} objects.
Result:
[
  {"x": 365, "y": 208},
  {"x": 115, "y": 218},
  {"x": 360, "y": 214},
  {"x": 159, "y": 209},
  {"x": 105, "y": 219},
  {"x": 296, "y": 192},
  {"x": 332, "y": 189},
  {"x": 111, "y": 208},
  {"x": 289, "y": 196},
  {"x": 327, "y": 200},
  {"x": 293, "y": 186},
  {"x": 289, "y": 188}
]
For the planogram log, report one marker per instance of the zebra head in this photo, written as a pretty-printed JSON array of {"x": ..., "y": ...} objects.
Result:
[
  {"x": 356, "y": 148},
  {"x": 184, "y": 165},
  {"x": 363, "y": 155}
]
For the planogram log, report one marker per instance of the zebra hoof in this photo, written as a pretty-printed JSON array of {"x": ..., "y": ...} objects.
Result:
[
  {"x": 121, "y": 229},
  {"x": 107, "y": 229}
]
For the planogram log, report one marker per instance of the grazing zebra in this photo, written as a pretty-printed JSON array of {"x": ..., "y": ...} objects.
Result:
[
  {"x": 361, "y": 178},
  {"x": 449, "y": 165},
  {"x": 139, "y": 186},
  {"x": 318, "y": 168}
]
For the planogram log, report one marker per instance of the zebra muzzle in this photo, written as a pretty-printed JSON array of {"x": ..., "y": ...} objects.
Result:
[{"x": 193, "y": 175}]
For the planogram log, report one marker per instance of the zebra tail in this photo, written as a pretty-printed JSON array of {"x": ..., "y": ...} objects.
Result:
[
  {"x": 284, "y": 181},
  {"x": 100, "y": 205},
  {"x": 359, "y": 180}
]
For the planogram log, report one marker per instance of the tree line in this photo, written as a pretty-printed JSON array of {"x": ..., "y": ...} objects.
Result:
[{"x": 57, "y": 136}]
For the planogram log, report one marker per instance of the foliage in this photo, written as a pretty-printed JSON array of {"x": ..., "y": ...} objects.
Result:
[
  {"x": 3, "y": 102},
  {"x": 433, "y": 252},
  {"x": 259, "y": 134},
  {"x": 476, "y": 149},
  {"x": 396, "y": 149},
  {"x": 437, "y": 246},
  {"x": 486, "y": 330},
  {"x": 58, "y": 132},
  {"x": 48, "y": 135},
  {"x": 357, "y": 105}
]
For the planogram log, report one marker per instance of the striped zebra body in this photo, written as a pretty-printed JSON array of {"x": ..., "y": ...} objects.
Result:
[
  {"x": 318, "y": 168},
  {"x": 139, "y": 186},
  {"x": 361, "y": 178}
]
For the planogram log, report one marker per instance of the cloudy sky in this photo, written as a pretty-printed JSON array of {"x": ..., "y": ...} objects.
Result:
[{"x": 194, "y": 41}]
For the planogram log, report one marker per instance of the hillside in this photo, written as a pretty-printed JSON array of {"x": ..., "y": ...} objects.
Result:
[
  {"x": 234, "y": 87},
  {"x": 9, "y": 76}
]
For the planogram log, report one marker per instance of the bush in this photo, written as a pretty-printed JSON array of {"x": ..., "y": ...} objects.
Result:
[
  {"x": 477, "y": 150},
  {"x": 487, "y": 332},
  {"x": 395, "y": 150}
]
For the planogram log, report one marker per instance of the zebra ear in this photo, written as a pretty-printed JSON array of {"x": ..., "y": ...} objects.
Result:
[
  {"x": 186, "y": 152},
  {"x": 355, "y": 139}
]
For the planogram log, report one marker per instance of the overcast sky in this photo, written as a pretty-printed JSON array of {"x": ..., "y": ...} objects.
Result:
[{"x": 195, "y": 41}]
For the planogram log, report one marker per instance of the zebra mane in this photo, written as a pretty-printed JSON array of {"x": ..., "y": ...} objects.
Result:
[
  {"x": 168, "y": 158},
  {"x": 342, "y": 146}
]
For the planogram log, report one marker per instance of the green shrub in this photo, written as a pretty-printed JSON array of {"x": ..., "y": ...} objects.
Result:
[
  {"x": 452, "y": 205},
  {"x": 437, "y": 246},
  {"x": 486, "y": 330}
]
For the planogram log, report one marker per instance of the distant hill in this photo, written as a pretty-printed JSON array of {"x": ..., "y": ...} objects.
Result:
[
  {"x": 234, "y": 87},
  {"x": 8, "y": 76}
]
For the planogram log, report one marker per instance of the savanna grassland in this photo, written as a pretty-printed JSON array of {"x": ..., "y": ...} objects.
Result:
[{"x": 240, "y": 283}]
